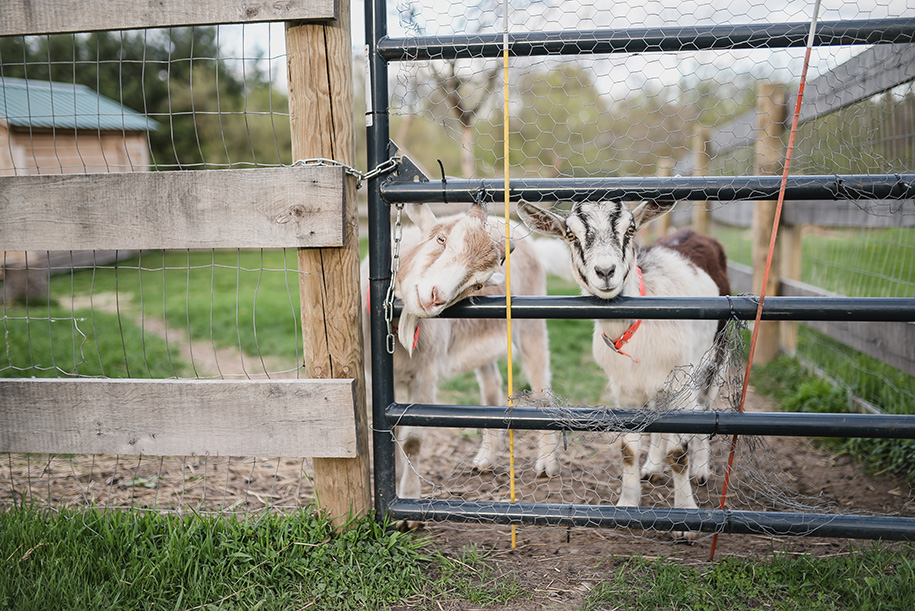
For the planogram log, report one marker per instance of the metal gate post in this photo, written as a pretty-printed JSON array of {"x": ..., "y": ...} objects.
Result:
[{"x": 378, "y": 131}]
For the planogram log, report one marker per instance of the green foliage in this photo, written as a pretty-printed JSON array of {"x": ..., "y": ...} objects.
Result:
[
  {"x": 874, "y": 578},
  {"x": 785, "y": 381},
  {"x": 101, "y": 560},
  {"x": 471, "y": 578},
  {"x": 95, "y": 559},
  {"x": 211, "y": 111}
]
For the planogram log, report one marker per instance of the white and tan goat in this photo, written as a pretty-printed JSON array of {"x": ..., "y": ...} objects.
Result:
[
  {"x": 639, "y": 358},
  {"x": 443, "y": 261}
]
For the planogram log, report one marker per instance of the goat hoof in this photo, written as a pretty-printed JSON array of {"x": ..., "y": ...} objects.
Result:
[
  {"x": 687, "y": 537},
  {"x": 547, "y": 467},
  {"x": 408, "y": 525},
  {"x": 483, "y": 465}
]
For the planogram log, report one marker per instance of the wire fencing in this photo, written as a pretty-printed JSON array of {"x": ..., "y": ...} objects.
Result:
[
  {"x": 601, "y": 96},
  {"x": 180, "y": 98}
]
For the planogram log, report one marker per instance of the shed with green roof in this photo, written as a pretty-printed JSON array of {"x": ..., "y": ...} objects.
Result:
[{"x": 67, "y": 128}]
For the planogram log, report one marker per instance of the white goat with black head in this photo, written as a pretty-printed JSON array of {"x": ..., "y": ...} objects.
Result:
[
  {"x": 441, "y": 262},
  {"x": 638, "y": 357}
]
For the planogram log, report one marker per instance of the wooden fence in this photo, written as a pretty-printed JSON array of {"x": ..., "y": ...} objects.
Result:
[
  {"x": 310, "y": 208},
  {"x": 867, "y": 74}
]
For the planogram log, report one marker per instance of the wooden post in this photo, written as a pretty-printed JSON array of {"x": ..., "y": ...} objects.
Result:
[
  {"x": 665, "y": 168},
  {"x": 321, "y": 105},
  {"x": 701, "y": 146},
  {"x": 789, "y": 237},
  {"x": 770, "y": 125}
]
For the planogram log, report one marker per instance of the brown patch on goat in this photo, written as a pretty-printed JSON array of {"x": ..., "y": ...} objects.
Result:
[
  {"x": 706, "y": 253},
  {"x": 678, "y": 459},
  {"x": 628, "y": 454}
]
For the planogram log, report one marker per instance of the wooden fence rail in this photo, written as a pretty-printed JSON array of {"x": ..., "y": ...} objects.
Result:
[{"x": 310, "y": 208}]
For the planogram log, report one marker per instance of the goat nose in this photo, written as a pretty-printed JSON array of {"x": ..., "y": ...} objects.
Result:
[
  {"x": 605, "y": 273},
  {"x": 436, "y": 300}
]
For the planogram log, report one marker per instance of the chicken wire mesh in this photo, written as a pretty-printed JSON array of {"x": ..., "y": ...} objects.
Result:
[
  {"x": 651, "y": 113},
  {"x": 182, "y": 98}
]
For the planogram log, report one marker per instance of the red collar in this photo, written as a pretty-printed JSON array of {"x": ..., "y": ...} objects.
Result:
[
  {"x": 368, "y": 306},
  {"x": 620, "y": 341}
]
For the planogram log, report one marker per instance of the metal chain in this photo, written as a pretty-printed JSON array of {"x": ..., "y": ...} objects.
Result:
[
  {"x": 395, "y": 265},
  {"x": 381, "y": 168},
  {"x": 385, "y": 166}
]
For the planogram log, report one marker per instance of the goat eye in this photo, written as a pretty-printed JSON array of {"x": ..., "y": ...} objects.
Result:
[
  {"x": 477, "y": 286},
  {"x": 631, "y": 230},
  {"x": 570, "y": 236},
  {"x": 441, "y": 240}
]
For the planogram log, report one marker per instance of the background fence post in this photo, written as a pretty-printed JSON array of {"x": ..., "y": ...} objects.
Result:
[
  {"x": 664, "y": 169},
  {"x": 770, "y": 125},
  {"x": 702, "y": 158},
  {"x": 321, "y": 105},
  {"x": 789, "y": 237}
]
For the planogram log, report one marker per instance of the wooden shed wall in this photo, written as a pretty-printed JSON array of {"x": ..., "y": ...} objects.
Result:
[{"x": 72, "y": 152}]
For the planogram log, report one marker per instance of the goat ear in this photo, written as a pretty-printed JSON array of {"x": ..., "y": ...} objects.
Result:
[
  {"x": 542, "y": 221},
  {"x": 649, "y": 210},
  {"x": 421, "y": 215},
  {"x": 496, "y": 279}
]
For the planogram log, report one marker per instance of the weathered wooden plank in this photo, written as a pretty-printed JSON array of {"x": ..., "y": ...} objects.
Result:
[
  {"x": 52, "y": 16},
  {"x": 870, "y": 72},
  {"x": 873, "y": 213},
  {"x": 294, "y": 418},
  {"x": 737, "y": 133},
  {"x": 741, "y": 277},
  {"x": 262, "y": 208},
  {"x": 890, "y": 342}
]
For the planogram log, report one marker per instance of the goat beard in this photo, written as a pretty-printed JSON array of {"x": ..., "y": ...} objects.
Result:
[{"x": 406, "y": 330}]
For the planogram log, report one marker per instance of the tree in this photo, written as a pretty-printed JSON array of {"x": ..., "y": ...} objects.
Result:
[{"x": 211, "y": 113}]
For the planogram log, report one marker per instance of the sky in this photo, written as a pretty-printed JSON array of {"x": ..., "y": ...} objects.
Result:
[{"x": 615, "y": 74}]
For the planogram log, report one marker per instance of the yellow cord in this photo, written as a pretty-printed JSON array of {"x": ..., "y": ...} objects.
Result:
[{"x": 508, "y": 276}]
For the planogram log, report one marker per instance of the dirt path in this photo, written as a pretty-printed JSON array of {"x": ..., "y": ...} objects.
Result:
[{"x": 206, "y": 359}]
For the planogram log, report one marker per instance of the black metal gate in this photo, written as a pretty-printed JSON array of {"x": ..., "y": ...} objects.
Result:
[{"x": 382, "y": 192}]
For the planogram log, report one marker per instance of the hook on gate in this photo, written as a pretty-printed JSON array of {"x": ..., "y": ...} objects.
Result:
[{"x": 444, "y": 181}]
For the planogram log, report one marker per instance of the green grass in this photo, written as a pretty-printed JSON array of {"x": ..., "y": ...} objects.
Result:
[
  {"x": 856, "y": 263},
  {"x": 92, "y": 559},
  {"x": 795, "y": 389},
  {"x": 51, "y": 341},
  {"x": 121, "y": 560},
  {"x": 874, "y": 578},
  {"x": 245, "y": 298}
]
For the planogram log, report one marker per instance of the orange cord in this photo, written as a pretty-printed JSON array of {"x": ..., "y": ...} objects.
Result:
[{"x": 765, "y": 281}]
